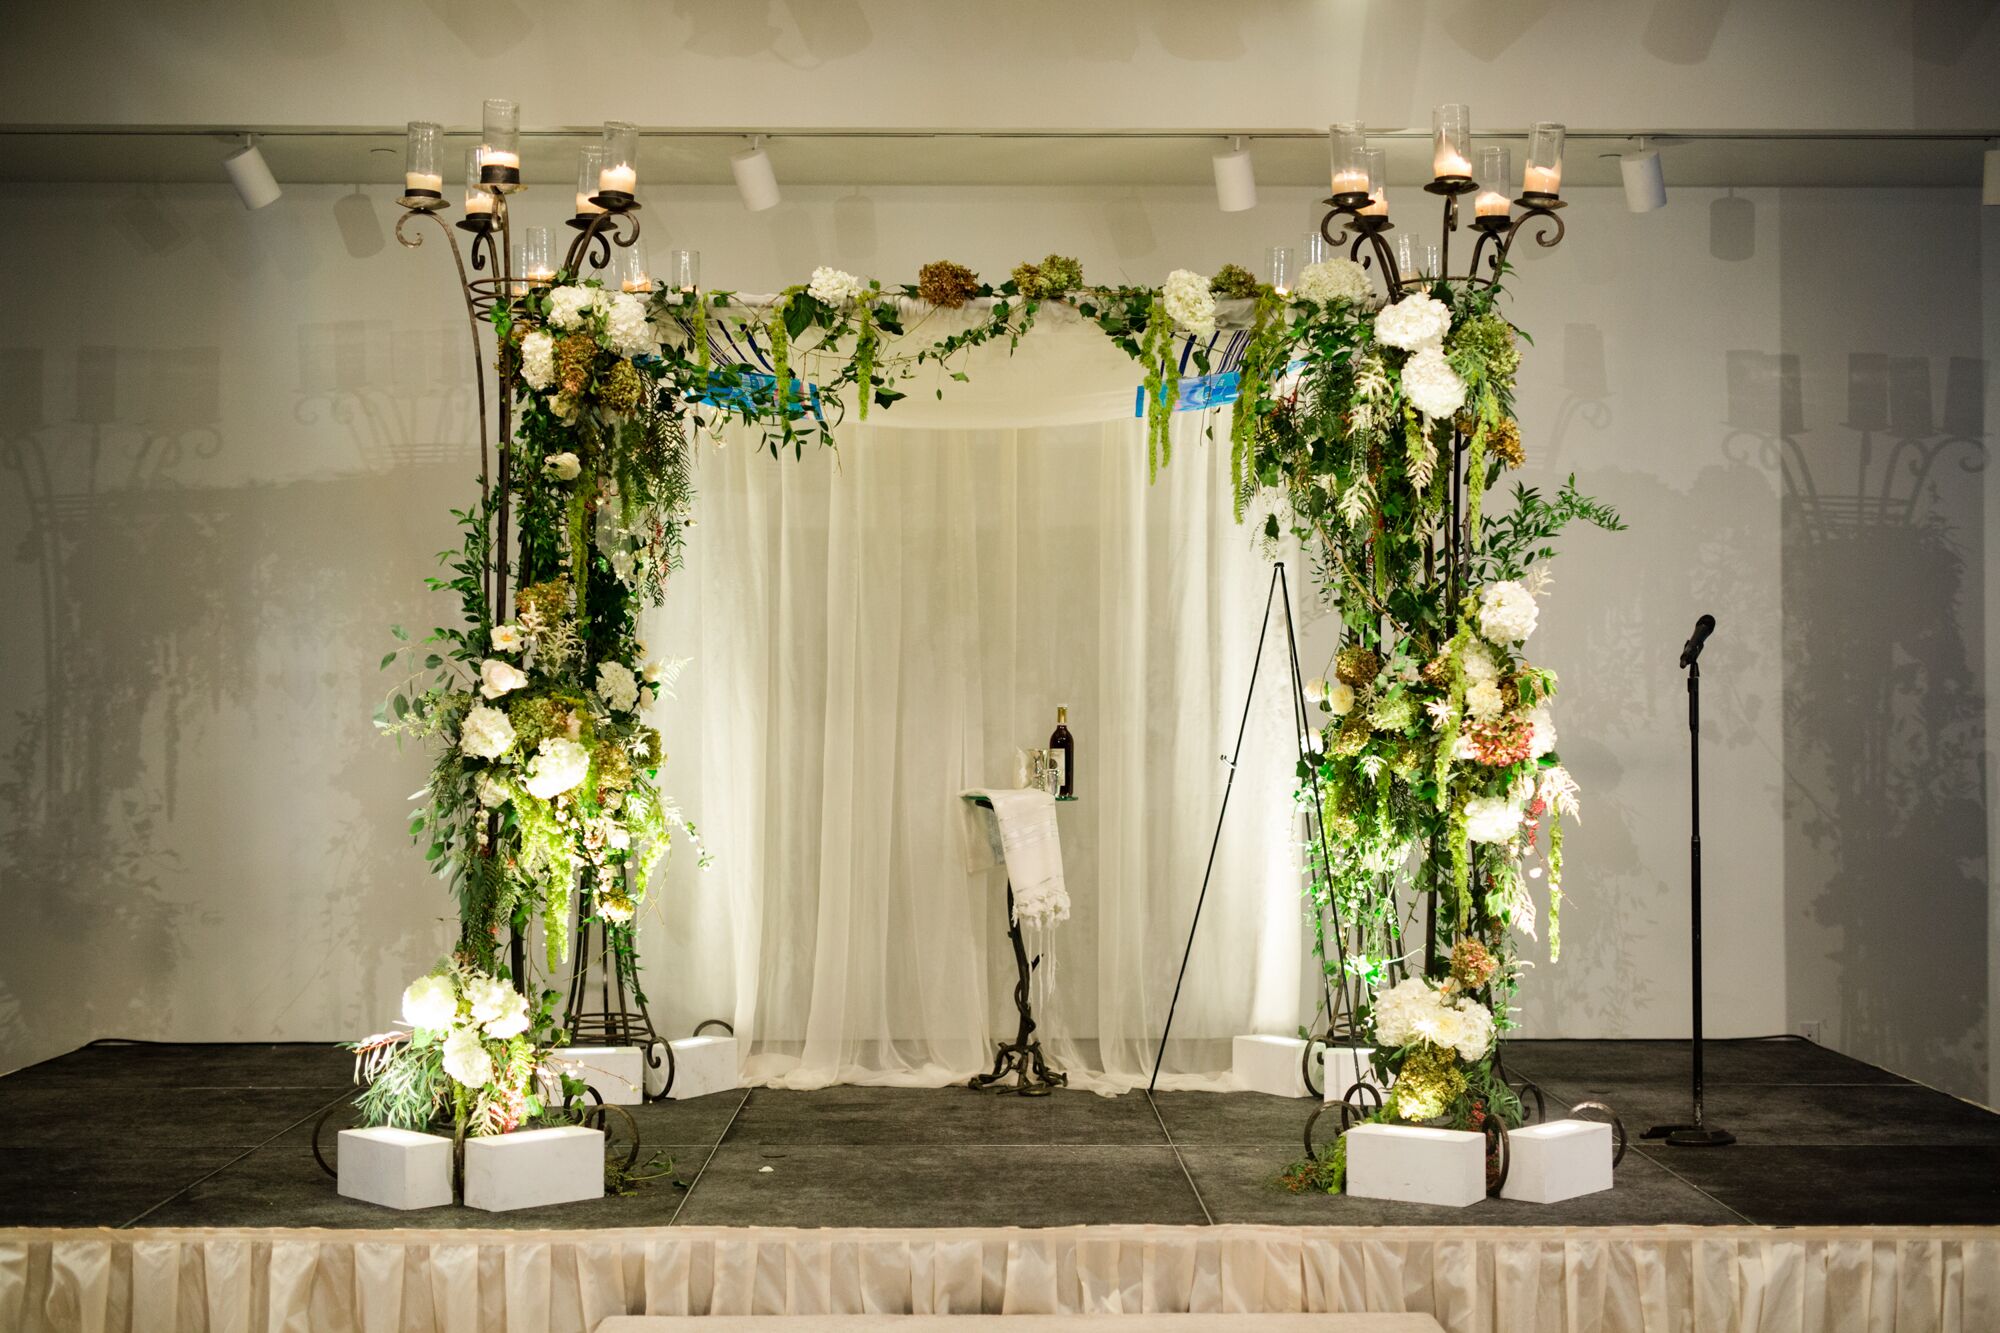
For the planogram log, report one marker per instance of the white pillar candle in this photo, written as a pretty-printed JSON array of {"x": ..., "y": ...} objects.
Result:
[
  {"x": 584, "y": 206},
  {"x": 1492, "y": 204},
  {"x": 1350, "y": 182},
  {"x": 621, "y": 178},
  {"x": 423, "y": 180},
  {"x": 478, "y": 201},
  {"x": 1447, "y": 162},
  {"x": 1542, "y": 180},
  {"x": 638, "y": 284},
  {"x": 499, "y": 157}
]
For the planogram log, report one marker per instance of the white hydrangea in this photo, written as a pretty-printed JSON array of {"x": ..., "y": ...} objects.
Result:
[
  {"x": 1475, "y": 1033},
  {"x": 1478, "y": 664},
  {"x": 558, "y": 765},
  {"x": 1542, "y": 731},
  {"x": 627, "y": 331},
  {"x": 538, "y": 360},
  {"x": 1415, "y": 322},
  {"x": 497, "y": 678},
  {"x": 1340, "y": 698},
  {"x": 617, "y": 686},
  {"x": 1334, "y": 280},
  {"x": 1491, "y": 819},
  {"x": 465, "y": 1058},
  {"x": 1441, "y": 1025},
  {"x": 486, "y": 733},
  {"x": 1398, "y": 1009},
  {"x": 493, "y": 792},
  {"x": 568, "y": 306},
  {"x": 835, "y": 287},
  {"x": 1507, "y": 612},
  {"x": 430, "y": 1003},
  {"x": 1431, "y": 385},
  {"x": 1484, "y": 701},
  {"x": 498, "y": 1007},
  {"x": 1190, "y": 303}
]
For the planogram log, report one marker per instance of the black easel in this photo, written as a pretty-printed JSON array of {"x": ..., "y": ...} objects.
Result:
[
  {"x": 1301, "y": 719},
  {"x": 1696, "y": 1134}
]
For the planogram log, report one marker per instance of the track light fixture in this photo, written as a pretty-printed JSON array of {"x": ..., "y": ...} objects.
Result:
[
  {"x": 1235, "y": 181},
  {"x": 251, "y": 175},
  {"x": 1645, "y": 182},
  {"x": 755, "y": 180}
]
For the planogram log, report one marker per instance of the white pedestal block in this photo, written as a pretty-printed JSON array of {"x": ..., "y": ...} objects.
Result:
[
  {"x": 617, "y": 1072},
  {"x": 397, "y": 1168},
  {"x": 1271, "y": 1065},
  {"x": 1345, "y": 1066},
  {"x": 1558, "y": 1160},
  {"x": 1414, "y": 1164},
  {"x": 534, "y": 1168},
  {"x": 701, "y": 1065}
]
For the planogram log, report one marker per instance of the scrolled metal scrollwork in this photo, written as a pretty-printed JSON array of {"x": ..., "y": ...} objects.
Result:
[{"x": 1618, "y": 1135}]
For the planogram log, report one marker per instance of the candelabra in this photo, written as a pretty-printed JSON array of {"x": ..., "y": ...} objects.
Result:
[
  {"x": 1360, "y": 200},
  {"x": 502, "y": 277}
]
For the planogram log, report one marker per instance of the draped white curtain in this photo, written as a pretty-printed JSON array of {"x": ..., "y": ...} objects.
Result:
[{"x": 873, "y": 631}]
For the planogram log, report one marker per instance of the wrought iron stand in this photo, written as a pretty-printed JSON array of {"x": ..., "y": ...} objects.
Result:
[
  {"x": 1022, "y": 1057},
  {"x": 621, "y": 1018}
]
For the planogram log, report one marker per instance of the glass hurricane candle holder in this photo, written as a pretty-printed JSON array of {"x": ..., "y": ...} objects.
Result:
[
  {"x": 500, "y": 144},
  {"x": 423, "y": 175},
  {"x": 1542, "y": 178},
  {"x": 478, "y": 199},
  {"x": 1378, "y": 184},
  {"x": 1349, "y": 145},
  {"x": 618, "y": 176},
  {"x": 1451, "y": 142},
  {"x": 634, "y": 275},
  {"x": 1278, "y": 270},
  {"x": 1312, "y": 250},
  {"x": 589, "y": 165},
  {"x": 684, "y": 270},
  {"x": 1495, "y": 171},
  {"x": 537, "y": 267}
]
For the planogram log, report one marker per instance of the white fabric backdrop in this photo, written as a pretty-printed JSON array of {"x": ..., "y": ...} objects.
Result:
[{"x": 874, "y": 632}]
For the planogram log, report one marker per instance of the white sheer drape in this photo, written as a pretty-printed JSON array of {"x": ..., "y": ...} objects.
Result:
[{"x": 873, "y": 632}]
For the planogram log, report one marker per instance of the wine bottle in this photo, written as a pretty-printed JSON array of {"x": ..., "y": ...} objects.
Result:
[{"x": 1061, "y": 742}]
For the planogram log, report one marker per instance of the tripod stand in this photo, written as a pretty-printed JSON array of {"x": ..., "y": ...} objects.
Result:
[{"x": 1280, "y": 594}]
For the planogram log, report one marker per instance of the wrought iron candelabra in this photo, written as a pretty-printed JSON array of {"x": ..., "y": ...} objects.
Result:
[{"x": 501, "y": 277}]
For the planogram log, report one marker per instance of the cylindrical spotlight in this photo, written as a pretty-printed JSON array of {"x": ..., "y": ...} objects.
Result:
[
  {"x": 251, "y": 176},
  {"x": 1645, "y": 183},
  {"x": 1991, "y": 194},
  {"x": 755, "y": 180},
  {"x": 1235, "y": 182}
]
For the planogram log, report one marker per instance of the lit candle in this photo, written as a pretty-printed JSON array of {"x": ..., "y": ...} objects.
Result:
[
  {"x": 621, "y": 179},
  {"x": 1491, "y": 204},
  {"x": 1377, "y": 207},
  {"x": 541, "y": 277},
  {"x": 1350, "y": 182},
  {"x": 423, "y": 180},
  {"x": 478, "y": 201},
  {"x": 499, "y": 157},
  {"x": 1541, "y": 180},
  {"x": 1447, "y": 162},
  {"x": 642, "y": 283},
  {"x": 584, "y": 207}
]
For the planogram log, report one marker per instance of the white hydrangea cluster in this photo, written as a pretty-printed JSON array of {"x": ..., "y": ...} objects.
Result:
[
  {"x": 568, "y": 306},
  {"x": 1413, "y": 323},
  {"x": 627, "y": 331},
  {"x": 486, "y": 733},
  {"x": 1507, "y": 612},
  {"x": 834, "y": 286},
  {"x": 1334, "y": 280},
  {"x": 1190, "y": 304},
  {"x": 497, "y": 1007},
  {"x": 1413, "y": 1010},
  {"x": 538, "y": 360},
  {"x": 1542, "y": 730},
  {"x": 1430, "y": 383},
  {"x": 559, "y": 764},
  {"x": 1491, "y": 819},
  {"x": 617, "y": 686},
  {"x": 1484, "y": 701},
  {"x": 495, "y": 1010}
]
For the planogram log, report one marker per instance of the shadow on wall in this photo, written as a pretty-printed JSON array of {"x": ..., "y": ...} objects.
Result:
[{"x": 1885, "y": 827}]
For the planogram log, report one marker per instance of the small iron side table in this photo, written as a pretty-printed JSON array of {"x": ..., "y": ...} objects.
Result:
[{"x": 1021, "y": 1058}]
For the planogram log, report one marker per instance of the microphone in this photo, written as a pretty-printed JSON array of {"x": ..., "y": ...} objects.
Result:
[{"x": 1702, "y": 629}]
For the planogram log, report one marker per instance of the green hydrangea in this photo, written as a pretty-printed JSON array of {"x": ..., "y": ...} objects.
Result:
[{"x": 1233, "y": 282}]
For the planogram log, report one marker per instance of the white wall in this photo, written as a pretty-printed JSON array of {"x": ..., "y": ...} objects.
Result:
[
  {"x": 231, "y": 444},
  {"x": 1638, "y": 64}
]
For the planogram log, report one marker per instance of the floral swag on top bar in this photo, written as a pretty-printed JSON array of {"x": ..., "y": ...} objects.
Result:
[{"x": 1369, "y": 423}]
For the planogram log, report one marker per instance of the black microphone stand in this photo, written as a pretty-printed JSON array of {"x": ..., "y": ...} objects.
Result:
[{"x": 1696, "y": 1134}]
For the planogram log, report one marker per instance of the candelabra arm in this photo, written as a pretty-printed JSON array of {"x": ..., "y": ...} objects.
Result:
[
  {"x": 414, "y": 239},
  {"x": 1365, "y": 228},
  {"x": 1548, "y": 235}
]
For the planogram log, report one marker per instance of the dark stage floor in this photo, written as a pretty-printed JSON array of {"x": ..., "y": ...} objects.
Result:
[{"x": 124, "y": 1135}]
